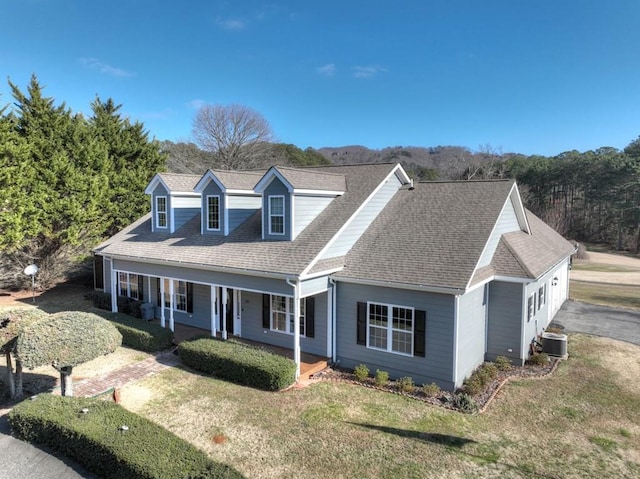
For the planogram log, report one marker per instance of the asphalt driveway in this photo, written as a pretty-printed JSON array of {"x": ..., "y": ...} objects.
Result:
[
  {"x": 21, "y": 460},
  {"x": 615, "y": 323}
]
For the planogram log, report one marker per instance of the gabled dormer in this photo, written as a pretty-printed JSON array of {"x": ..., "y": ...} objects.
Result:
[
  {"x": 227, "y": 199},
  {"x": 292, "y": 198},
  {"x": 173, "y": 201}
]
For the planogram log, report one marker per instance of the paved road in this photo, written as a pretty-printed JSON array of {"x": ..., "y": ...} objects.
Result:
[
  {"x": 21, "y": 460},
  {"x": 615, "y": 323}
]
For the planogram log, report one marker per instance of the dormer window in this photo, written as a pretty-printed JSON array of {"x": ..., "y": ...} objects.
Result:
[
  {"x": 161, "y": 211},
  {"x": 276, "y": 215},
  {"x": 213, "y": 213}
]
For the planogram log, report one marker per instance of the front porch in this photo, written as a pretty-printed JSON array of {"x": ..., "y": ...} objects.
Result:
[{"x": 309, "y": 363}]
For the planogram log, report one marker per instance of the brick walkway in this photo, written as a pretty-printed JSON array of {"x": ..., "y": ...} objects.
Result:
[{"x": 120, "y": 377}]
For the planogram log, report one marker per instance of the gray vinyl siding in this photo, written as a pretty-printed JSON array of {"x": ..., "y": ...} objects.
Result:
[
  {"x": 240, "y": 208},
  {"x": 160, "y": 191},
  {"x": 183, "y": 215},
  {"x": 472, "y": 317},
  {"x": 212, "y": 190},
  {"x": 436, "y": 366},
  {"x": 238, "y": 281},
  {"x": 507, "y": 222},
  {"x": 305, "y": 210},
  {"x": 107, "y": 275},
  {"x": 252, "y": 326},
  {"x": 276, "y": 188},
  {"x": 504, "y": 326},
  {"x": 363, "y": 219}
]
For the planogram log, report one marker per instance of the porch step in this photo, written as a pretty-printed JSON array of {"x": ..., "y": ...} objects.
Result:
[{"x": 311, "y": 365}]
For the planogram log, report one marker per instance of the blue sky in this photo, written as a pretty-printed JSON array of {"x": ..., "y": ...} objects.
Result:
[{"x": 535, "y": 77}]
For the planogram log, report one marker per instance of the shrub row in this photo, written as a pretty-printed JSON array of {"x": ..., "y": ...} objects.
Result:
[
  {"x": 141, "y": 335},
  {"x": 98, "y": 442},
  {"x": 238, "y": 363},
  {"x": 102, "y": 300}
]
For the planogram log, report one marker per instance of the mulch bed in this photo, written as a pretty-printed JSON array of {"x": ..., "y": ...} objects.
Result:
[{"x": 445, "y": 398}]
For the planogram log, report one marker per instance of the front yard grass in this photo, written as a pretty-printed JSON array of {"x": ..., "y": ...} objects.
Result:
[
  {"x": 581, "y": 422},
  {"x": 606, "y": 294}
]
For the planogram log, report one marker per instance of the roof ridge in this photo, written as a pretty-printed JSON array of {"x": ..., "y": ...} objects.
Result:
[{"x": 495, "y": 180}]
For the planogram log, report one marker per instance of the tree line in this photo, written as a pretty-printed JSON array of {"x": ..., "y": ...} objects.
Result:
[{"x": 66, "y": 181}]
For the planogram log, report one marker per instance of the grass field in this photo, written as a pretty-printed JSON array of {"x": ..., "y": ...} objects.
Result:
[
  {"x": 581, "y": 422},
  {"x": 606, "y": 294}
]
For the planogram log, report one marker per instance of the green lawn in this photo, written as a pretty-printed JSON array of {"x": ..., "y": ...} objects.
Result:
[
  {"x": 581, "y": 422},
  {"x": 606, "y": 294}
]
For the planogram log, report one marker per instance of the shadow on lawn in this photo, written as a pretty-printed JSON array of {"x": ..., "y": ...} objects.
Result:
[
  {"x": 435, "y": 438},
  {"x": 32, "y": 383}
]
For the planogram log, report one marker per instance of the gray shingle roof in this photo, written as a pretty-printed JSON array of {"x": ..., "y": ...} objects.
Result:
[
  {"x": 430, "y": 236},
  {"x": 244, "y": 248},
  {"x": 239, "y": 180},
  {"x": 179, "y": 182},
  {"x": 313, "y": 179}
]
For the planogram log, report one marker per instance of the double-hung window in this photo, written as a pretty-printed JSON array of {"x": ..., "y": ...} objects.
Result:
[
  {"x": 390, "y": 328},
  {"x": 282, "y": 314},
  {"x": 531, "y": 306},
  {"x": 542, "y": 295},
  {"x": 276, "y": 215},
  {"x": 181, "y": 295},
  {"x": 213, "y": 213},
  {"x": 161, "y": 211},
  {"x": 130, "y": 285}
]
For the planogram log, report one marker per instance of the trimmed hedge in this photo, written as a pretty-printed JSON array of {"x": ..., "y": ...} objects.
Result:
[
  {"x": 238, "y": 363},
  {"x": 102, "y": 300},
  {"x": 139, "y": 334},
  {"x": 12, "y": 322},
  {"x": 96, "y": 440}
]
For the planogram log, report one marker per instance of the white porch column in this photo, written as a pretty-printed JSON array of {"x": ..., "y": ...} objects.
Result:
[
  {"x": 114, "y": 289},
  {"x": 214, "y": 298},
  {"x": 171, "y": 301},
  {"x": 162, "y": 305},
  {"x": 223, "y": 316},
  {"x": 296, "y": 327}
]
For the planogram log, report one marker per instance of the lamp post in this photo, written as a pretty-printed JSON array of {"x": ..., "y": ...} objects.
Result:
[{"x": 31, "y": 270}]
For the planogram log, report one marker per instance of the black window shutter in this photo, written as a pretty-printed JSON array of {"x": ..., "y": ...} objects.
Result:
[
  {"x": 266, "y": 311},
  {"x": 310, "y": 306},
  {"x": 419, "y": 333},
  {"x": 158, "y": 298},
  {"x": 140, "y": 287},
  {"x": 362, "y": 324},
  {"x": 189, "y": 297}
]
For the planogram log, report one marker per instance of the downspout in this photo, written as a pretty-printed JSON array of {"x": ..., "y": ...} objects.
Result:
[
  {"x": 456, "y": 306},
  {"x": 334, "y": 297},
  {"x": 296, "y": 323}
]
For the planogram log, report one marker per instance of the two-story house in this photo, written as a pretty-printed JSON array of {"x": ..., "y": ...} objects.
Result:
[{"x": 353, "y": 263}]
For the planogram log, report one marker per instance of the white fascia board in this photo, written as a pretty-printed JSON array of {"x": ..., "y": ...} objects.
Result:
[
  {"x": 154, "y": 183},
  {"x": 175, "y": 194},
  {"x": 409, "y": 286},
  {"x": 402, "y": 175},
  {"x": 268, "y": 177},
  {"x": 521, "y": 214},
  {"x": 208, "y": 176},
  {"x": 326, "y": 272},
  {"x": 242, "y": 192},
  {"x": 303, "y": 192}
]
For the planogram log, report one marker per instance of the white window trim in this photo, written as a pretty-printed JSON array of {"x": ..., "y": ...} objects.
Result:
[
  {"x": 542, "y": 298},
  {"x": 219, "y": 215},
  {"x": 288, "y": 314},
  {"x": 390, "y": 328},
  {"x": 531, "y": 305},
  {"x": 284, "y": 228},
  {"x": 166, "y": 213},
  {"x": 128, "y": 283},
  {"x": 176, "y": 288}
]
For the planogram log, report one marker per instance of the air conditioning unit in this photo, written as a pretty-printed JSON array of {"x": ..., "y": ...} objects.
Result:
[{"x": 555, "y": 344}]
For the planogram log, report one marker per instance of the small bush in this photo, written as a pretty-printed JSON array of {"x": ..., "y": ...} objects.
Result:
[
  {"x": 490, "y": 370},
  {"x": 238, "y": 363},
  {"x": 431, "y": 390},
  {"x": 503, "y": 363},
  {"x": 382, "y": 378},
  {"x": 141, "y": 335},
  {"x": 100, "y": 299},
  {"x": 96, "y": 440},
  {"x": 405, "y": 384},
  {"x": 130, "y": 306},
  {"x": 539, "y": 359},
  {"x": 473, "y": 385},
  {"x": 464, "y": 403},
  {"x": 361, "y": 372}
]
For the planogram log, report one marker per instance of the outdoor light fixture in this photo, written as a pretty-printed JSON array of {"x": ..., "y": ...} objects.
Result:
[
  {"x": 31, "y": 270},
  {"x": 84, "y": 410},
  {"x": 124, "y": 428},
  {"x": 555, "y": 281}
]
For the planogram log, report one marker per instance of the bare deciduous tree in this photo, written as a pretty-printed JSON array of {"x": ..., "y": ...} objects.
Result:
[{"x": 236, "y": 134}]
